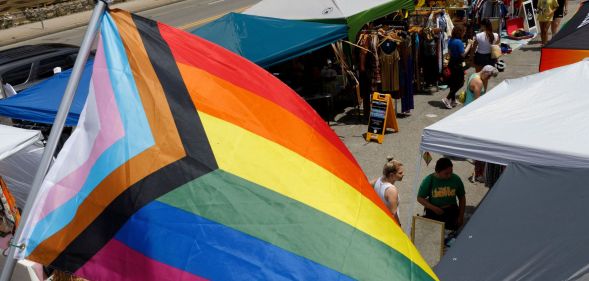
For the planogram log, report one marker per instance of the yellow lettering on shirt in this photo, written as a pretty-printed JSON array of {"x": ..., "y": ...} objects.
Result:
[{"x": 445, "y": 191}]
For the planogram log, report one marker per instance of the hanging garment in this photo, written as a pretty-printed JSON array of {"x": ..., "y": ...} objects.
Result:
[
  {"x": 406, "y": 76},
  {"x": 492, "y": 174},
  {"x": 416, "y": 60},
  {"x": 390, "y": 71},
  {"x": 9, "y": 215},
  {"x": 376, "y": 75}
]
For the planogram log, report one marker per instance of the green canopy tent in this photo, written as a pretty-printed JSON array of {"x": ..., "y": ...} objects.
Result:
[{"x": 352, "y": 12}]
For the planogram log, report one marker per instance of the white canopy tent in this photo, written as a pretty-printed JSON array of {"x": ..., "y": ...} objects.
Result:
[
  {"x": 539, "y": 119},
  {"x": 15, "y": 139},
  {"x": 19, "y": 159},
  {"x": 537, "y": 126},
  {"x": 354, "y": 13},
  {"x": 312, "y": 9}
]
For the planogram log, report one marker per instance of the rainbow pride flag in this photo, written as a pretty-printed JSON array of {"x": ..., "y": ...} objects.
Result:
[{"x": 191, "y": 163}]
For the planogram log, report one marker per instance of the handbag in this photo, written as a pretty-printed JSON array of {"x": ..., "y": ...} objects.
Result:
[
  {"x": 495, "y": 51},
  {"x": 461, "y": 97},
  {"x": 446, "y": 73}
]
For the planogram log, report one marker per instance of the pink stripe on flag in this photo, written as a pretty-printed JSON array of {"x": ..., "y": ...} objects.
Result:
[
  {"x": 117, "y": 262},
  {"x": 111, "y": 130}
]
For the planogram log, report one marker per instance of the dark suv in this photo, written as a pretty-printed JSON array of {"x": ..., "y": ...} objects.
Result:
[{"x": 26, "y": 65}]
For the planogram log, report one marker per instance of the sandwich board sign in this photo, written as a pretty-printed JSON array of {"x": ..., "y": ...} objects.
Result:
[
  {"x": 530, "y": 23},
  {"x": 382, "y": 116}
]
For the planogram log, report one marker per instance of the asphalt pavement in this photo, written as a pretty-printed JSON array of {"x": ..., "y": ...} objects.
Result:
[{"x": 70, "y": 29}]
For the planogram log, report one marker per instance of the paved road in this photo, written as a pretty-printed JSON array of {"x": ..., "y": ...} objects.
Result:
[{"x": 186, "y": 14}]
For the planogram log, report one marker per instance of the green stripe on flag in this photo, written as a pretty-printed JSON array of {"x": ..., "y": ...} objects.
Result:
[{"x": 293, "y": 226}]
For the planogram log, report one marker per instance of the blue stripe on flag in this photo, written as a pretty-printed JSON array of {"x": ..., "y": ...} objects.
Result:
[{"x": 213, "y": 251}]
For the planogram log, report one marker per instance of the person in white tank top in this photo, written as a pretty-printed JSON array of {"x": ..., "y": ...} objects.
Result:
[
  {"x": 484, "y": 41},
  {"x": 385, "y": 188},
  {"x": 484, "y": 46}
]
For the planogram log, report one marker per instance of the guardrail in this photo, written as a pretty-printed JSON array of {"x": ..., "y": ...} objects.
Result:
[{"x": 18, "y": 12}]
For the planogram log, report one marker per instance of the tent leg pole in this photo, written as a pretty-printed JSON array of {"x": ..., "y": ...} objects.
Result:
[
  {"x": 415, "y": 188},
  {"x": 56, "y": 130}
]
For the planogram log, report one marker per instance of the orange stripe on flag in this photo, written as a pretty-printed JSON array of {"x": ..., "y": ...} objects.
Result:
[
  {"x": 553, "y": 58},
  {"x": 222, "y": 99}
]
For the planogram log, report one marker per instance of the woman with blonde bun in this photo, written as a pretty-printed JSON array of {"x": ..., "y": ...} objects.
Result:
[{"x": 385, "y": 186}]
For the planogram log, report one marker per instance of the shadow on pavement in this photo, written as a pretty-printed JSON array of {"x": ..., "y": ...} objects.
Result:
[{"x": 438, "y": 104}]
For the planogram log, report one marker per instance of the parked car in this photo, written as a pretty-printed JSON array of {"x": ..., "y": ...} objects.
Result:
[{"x": 26, "y": 65}]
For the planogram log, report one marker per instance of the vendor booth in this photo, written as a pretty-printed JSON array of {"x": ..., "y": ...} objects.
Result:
[
  {"x": 532, "y": 223},
  {"x": 570, "y": 44}
]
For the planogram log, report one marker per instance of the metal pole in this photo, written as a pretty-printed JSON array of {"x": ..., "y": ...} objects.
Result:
[
  {"x": 415, "y": 188},
  {"x": 56, "y": 130}
]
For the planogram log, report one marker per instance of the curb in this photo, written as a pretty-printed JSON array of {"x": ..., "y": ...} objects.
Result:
[{"x": 26, "y": 37}]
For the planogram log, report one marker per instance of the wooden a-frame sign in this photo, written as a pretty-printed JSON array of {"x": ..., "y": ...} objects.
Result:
[{"x": 382, "y": 116}]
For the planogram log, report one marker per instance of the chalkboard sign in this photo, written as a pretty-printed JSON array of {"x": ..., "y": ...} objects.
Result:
[
  {"x": 382, "y": 116},
  {"x": 378, "y": 115},
  {"x": 529, "y": 16}
]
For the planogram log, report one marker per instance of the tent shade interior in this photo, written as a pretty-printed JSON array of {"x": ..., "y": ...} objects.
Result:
[
  {"x": 268, "y": 41},
  {"x": 570, "y": 44},
  {"x": 18, "y": 171},
  {"x": 354, "y": 13},
  {"x": 531, "y": 226},
  {"x": 19, "y": 159},
  {"x": 40, "y": 102},
  {"x": 538, "y": 119}
]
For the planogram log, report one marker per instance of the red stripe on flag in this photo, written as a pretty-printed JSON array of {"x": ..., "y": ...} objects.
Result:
[{"x": 192, "y": 50}]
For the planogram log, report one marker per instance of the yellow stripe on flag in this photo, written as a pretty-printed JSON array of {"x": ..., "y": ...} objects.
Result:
[{"x": 268, "y": 164}]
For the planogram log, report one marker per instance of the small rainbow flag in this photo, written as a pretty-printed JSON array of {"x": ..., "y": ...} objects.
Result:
[{"x": 191, "y": 163}]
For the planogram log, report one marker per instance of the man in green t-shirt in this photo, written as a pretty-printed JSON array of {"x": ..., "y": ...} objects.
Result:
[{"x": 438, "y": 193}]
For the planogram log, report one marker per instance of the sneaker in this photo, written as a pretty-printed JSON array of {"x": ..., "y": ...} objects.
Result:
[
  {"x": 454, "y": 103},
  {"x": 480, "y": 179},
  {"x": 471, "y": 179},
  {"x": 447, "y": 103}
]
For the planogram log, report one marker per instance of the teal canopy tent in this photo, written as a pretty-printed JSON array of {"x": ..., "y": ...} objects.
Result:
[{"x": 268, "y": 41}]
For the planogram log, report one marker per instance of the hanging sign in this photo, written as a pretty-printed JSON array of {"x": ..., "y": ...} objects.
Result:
[{"x": 382, "y": 116}]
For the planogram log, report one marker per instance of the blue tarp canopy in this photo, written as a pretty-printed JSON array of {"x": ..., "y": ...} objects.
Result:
[
  {"x": 40, "y": 102},
  {"x": 268, "y": 41}
]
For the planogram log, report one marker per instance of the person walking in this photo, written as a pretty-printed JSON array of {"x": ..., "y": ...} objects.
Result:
[
  {"x": 439, "y": 193},
  {"x": 560, "y": 12},
  {"x": 456, "y": 64},
  {"x": 385, "y": 186},
  {"x": 484, "y": 40},
  {"x": 546, "y": 9}
]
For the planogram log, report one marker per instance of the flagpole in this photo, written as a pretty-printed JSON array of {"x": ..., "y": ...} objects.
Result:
[{"x": 56, "y": 130}]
